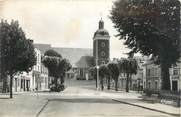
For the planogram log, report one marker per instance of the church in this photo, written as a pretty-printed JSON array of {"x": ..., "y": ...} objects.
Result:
[{"x": 101, "y": 52}]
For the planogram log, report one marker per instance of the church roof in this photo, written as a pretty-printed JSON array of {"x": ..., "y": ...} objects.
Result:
[
  {"x": 42, "y": 47},
  {"x": 73, "y": 54}
]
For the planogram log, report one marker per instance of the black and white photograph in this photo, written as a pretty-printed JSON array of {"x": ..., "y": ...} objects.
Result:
[{"x": 90, "y": 58}]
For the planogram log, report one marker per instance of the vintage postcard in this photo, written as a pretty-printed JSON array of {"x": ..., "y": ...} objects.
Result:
[{"x": 90, "y": 58}]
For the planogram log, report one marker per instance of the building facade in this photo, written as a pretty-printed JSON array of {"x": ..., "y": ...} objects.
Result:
[
  {"x": 37, "y": 79},
  {"x": 175, "y": 77},
  {"x": 44, "y": 82},
  {"x": 36, "y": 72},
  {"x": 152, "y": 77},
  {"x": 21, "y": 82}
]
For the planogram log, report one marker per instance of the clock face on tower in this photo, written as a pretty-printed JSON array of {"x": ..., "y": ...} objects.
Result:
[
  {"x": 103, "y": 49},
  {"x": 103, "y": 54},
  {"x": 103, "y": 44}
]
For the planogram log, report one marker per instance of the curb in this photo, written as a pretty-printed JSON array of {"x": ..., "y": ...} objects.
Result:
[
  {"x": 172, "y": 114},
  {"x": 42, "y": 108}
]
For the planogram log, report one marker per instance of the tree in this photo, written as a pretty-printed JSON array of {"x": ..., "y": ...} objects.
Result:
[
  {"x": 93, "y": 72},
  {"x": 52, "y": 64},
  {"x": 114, "y": 72},
  {"x": 52, "y": 53},
  {"x": 103, "y": 73},
  {"x": 64, "y": 66},
  {"x": 18, "y": 52},
  {"x": 57, "y": 66},
  {"x": 151, "y": 28},
  {"x": 128, "y": 66}
]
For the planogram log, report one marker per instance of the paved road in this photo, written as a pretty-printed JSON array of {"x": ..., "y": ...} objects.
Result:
[
  {"x": 81, "y": 100},
  {"x": 94, "y": 108}
]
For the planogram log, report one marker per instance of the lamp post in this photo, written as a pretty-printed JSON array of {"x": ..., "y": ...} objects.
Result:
[
  {"x": 97, "y": 65},
  {"x": 97, "y": 77}
]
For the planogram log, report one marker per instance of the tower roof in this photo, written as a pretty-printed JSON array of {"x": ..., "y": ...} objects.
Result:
[{"x": 101, "y": 31}]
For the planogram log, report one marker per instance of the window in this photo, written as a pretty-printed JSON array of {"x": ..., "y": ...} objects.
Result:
[
  {"x": 144, "y": 85},
  {"x": 175, "y": 72},
  {"x": 174, "y": 85},
  {"x": 156, "y": 85},
  {"x": 103, "y": 53},
  {"x": 103, "y": 44},
  {"x": 149, "y": 85},
  {"x": 21, "y": 83},
  {"x": 155, "y": 72},
  {"x": 148, "y": 72},
  {"x": 17, "y": 81}
]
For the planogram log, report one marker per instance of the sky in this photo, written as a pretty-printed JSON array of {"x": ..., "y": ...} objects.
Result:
[{"x": 63, "y": 23}]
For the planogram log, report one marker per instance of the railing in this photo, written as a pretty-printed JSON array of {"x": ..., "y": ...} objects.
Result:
[
  {"x": 172, "y": 98},
  {"x": 166, "y": 97}
]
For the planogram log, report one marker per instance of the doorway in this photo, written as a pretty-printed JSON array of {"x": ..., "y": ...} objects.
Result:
[{"x": 174, "y": 85}]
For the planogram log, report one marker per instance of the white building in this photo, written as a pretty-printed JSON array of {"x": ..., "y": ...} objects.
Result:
[
  {"x": 36, "y": 71},
  {"x": 44, "y": 78},
  {"x": 175, "y": 77},
  {"x": 39, "y": 78},
  {"x": 35, "y": 79},
  {"x": 21, "y": 82}
]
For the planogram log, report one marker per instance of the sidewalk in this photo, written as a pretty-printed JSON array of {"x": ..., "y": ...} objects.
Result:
[
  {"x": 20, "y": 105},
  {"x": 135, "y": 99},
  {"x": 155, "y": 107}
]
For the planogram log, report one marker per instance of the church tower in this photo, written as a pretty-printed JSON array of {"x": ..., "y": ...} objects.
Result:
[{"x": 101, "y": 50}]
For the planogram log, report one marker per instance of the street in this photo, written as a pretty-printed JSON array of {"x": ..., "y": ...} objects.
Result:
[
  {"x": 94, "y": 108},
  {"x": 79, "y": 99}
]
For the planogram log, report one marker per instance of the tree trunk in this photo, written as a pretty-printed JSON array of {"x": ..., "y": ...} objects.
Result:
[
  {"x": 11, "y": 86},
  {"x": 96, "y": 82},
  {"x": 49, "y": 82},
  {"x": 130, "y": 82},
  {"x": 116, "y": 84},
  {"x": 127, "y": 82},
  {"x": 62, "y": 80},
  {"x": 165, "y": 77},
  {"x": 102, "y": 84},
  {"x": 56, "y": 82},
  {"x": 108, "y": 83}
]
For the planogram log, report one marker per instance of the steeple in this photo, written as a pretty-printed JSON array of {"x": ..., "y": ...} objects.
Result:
[
  {"x": 101, "y": 31},
  {"x": 101, "y": 24}
]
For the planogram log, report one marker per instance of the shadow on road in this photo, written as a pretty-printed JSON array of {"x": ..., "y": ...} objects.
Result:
[
  {"x": 5, "y": 98},
  {"x": 85, "y": 100}
]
